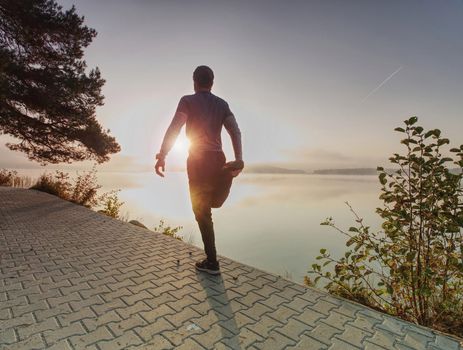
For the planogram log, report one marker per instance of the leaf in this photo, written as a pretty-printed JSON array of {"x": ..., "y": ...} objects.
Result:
[
  {"x": 412, "y": 120},
  {"x": 322, "y": 251},
  {"x": 399, "y": 129},
  {"x": 389, "y": 289},
  {"x": 443, "y": 142},
  {"x": 382, "y": 178},
  {"x": 350, "y": 242}
]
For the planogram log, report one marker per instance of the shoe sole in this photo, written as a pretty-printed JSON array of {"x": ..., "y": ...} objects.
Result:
[{"x": 211, "y": 272}]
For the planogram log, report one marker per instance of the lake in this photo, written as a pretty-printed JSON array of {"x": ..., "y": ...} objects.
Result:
[{"x": 269, "y": 221}]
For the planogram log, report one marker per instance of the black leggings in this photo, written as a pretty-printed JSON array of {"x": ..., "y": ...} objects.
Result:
[{"x": 206, "y": 178}]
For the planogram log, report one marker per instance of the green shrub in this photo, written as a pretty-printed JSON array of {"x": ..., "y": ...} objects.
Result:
[
  {"x": 111, "y": 205},
  {"x": 168, "y": 230},
  {"x": 413, "y": 268}
]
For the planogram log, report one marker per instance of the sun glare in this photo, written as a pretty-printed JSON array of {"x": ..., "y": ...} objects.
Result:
[{"x": 181, "y": 145}]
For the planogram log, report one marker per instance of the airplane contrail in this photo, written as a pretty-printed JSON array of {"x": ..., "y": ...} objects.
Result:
[{"x": 382, "y": 83}]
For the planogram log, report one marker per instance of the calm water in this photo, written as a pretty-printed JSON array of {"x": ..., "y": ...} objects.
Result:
[{"x": 269, "y": 221}]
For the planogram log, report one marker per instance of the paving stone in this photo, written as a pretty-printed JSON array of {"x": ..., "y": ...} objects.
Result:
[
  {"x": 136, "y": 308},
  {"x": 61, "y": 345},
  {"x": 189, "y": 344},
  {"x": 23, "y": 321},
  {"x": 310, "y": 317},
  {"x": 181, "y": 317},
  {"x": 158, "y": 342},
  {"x": 446, "y": 342},
  {"x": 372, "y": 346},
  {"x": 324, "y": 333},
  {"x": 126, "y": 339},
  {"x": 39, "y": 327},
  {"x": 307, "y": 342},
  {"x": 98, "y": 335},
  {"x": 264, "y": 326},
  {"x": 415, "y": 340},
  {"x": 213, "y": 335},
  {"x": 95, "y": 322},
  {"x": 383, "y": 339},
  {"x": 8, "y": 337},
  {"x": 18, "y": 311},
  {"x": 293, "y": 329},
  {"x": 73, "y": 329},
  {"x": 337, "y": 320},
  {"x": 81, "y": 314},
  {"x": 89, "y": 281},
  {"x": 366, "y": 322},
  {"x": 118, "y": 328},
  {"x": 257, "y": 311},
  {"x": 149, "y": 331},
  {"x": 353, "y": 335},
  {"x": 338, "y": 344},
  {"x": 275, "y": 340},
  {"x": 34, "y": 342}
]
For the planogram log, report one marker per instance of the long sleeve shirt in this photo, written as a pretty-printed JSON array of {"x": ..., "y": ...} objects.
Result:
[{"x": 204, "y": 115}]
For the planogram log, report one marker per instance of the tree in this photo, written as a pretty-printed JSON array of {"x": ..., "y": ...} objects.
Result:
[
  {"x": 47, "y": 99},
  {"x": 413, "y": 268}
]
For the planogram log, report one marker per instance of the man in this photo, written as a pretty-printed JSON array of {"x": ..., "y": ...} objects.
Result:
[{"x": 209, "y": 176}]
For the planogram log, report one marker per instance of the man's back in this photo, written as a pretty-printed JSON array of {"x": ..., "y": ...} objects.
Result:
[{"x": 206, "y": 114}]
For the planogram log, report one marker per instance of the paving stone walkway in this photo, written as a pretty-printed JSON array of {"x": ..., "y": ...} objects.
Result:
[{"x": 71, "y": 278}]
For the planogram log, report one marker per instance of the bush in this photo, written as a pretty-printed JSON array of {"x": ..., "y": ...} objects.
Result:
[
  {"x": 7, "y": 177},
  {"x": 413, "y": 268},
  {"x": 111, "y": 205},
  {"x": 168, "y": 230},
  {"x": 84, "y": 191}
]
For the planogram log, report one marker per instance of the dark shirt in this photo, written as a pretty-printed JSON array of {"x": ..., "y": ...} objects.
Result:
[{"x": 204, "y": 115}]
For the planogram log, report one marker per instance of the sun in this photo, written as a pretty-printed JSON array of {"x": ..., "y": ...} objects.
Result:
[{"x": 181, "y": 145}]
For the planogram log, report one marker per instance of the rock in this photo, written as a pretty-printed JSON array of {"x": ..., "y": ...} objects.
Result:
[{"x": 137, "y": 223}]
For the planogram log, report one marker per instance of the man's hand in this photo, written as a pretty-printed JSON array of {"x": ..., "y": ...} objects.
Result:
[
  {"x": 235, "y": 173},
  {"x": 160, "y": 164},
  {"x": 234, "y": 167}
]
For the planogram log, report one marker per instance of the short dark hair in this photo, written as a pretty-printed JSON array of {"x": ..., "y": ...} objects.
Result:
[{"x": 203, "y": 76}]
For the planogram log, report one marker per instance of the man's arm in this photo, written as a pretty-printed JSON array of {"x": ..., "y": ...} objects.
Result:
[
  {"x": 233, "y": 130},
  {"x": 170, "y": 137}
]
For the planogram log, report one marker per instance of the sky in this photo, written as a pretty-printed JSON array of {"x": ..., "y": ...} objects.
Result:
[{"x": 313, "y": 84}]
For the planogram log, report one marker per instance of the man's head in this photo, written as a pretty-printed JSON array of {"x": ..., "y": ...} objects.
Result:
[{"x": 203, "y": 78}]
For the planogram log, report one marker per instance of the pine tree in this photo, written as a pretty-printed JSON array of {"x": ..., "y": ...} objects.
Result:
[{"x": 47, "y": 97}]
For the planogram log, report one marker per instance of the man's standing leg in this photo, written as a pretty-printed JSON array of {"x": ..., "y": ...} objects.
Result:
[
  {"x": 201, "y": 203},
  {"x": 202, "y": 173}
]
